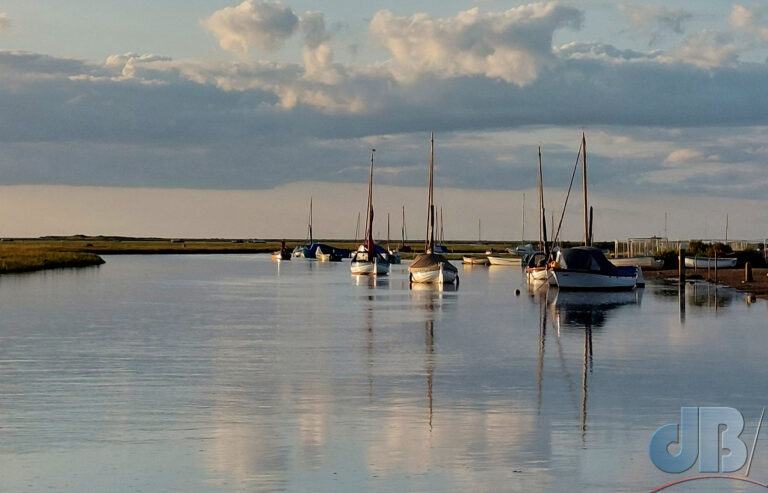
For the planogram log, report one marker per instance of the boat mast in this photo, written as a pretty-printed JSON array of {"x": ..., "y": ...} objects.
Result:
[
  {"x": 430, "y": 240},
  {"x": 442, "y": 238},
  {"x": 402, "y": 232},
  {"x": 357, "y": 228},
  {"x": 522, "y": 234},
  {"x": 310, "y": 220},
  {"x": 369, "y": 227},
  {"x": 479, "y": 230},
  {"x": 541, "y": 204},
  {"x": 388, "y": 231},
  {"x": 584, "y": 185}
]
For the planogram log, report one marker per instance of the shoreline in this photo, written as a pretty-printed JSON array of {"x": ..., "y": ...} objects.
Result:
[
  {"x": 733, "y": 278},
  {"x": 34, "y": 261}
]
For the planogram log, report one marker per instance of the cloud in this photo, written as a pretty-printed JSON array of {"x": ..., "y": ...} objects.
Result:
[
  {"x": 147, "y": 119},
  {"x": 313, "y": 28},
  {"x": 5, "y": 22},
  {"x": 656, "y": 20},
  {"x": 749, "y": 20},
  {"x": 683, "y": 156},
  {"x": 602, "y": 51},
  {"x": 514, "y": 45},
  {"x": 265, "y": 25},
  {"x": 707, "y": 50}
]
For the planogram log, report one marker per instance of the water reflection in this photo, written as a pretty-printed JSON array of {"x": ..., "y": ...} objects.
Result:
[
  {"x": 240, "y": 381},
  {"x": 574, "y": 312},
  {"x": 709, "y": 295},
  {"x": 574, "y": 309},
  {"x": 371, "y": 281}
]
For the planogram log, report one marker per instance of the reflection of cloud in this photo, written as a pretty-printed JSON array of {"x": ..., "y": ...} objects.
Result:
[
  {"x": 250, "y": 448},
  {"x": 404, "y": 443}
]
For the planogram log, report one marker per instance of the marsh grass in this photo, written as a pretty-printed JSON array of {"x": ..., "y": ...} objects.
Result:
[
  {"x": 21, "y": 258},
  {"x": 22, "y": 255}
]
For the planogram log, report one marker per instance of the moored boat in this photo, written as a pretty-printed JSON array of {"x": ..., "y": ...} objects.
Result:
[
  {"x": 586, "y": 268},
  {"x": 505, "y": 260},
  {"x": 710, "y": 262},
  {"x": 432, "y": 267},
  {"x": 367, "y": 260},
  {"x": 468, "y": 259},
  {"x": 282, "y": 254},
  {"x": 644, "y": 262},
  {"x": 307, "y": 250},
  {"x": 536, "y": 267},
  {"x": 324, "y": 253},
  {"x": 392, "y": 256}
]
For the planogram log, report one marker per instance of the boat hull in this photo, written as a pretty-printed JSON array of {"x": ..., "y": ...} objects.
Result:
[
  {"x": 281, "y": 256},
  {"x": 591, "y": 281},
  {"x": 476, "y": 260},
  {"x": 393, "y": 258},
  {"x": 537, "y": 273},
  {"x": 644, "y": 262},
  {"x": 505, "y": 260},
  {"x": 705, "y": 262},
  {"x": 439, "y": 275},
  {"x": 366, "y": 268}
]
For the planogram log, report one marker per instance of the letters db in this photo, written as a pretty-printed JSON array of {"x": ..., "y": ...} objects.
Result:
[{"x": 704, "y": 433}]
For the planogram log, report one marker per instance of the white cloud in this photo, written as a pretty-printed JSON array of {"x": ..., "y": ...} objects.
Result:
[
  {"x": 602, "y": 51},
  {"x": 683, "y": 156},
  {"x": 265, "y": 25},
  {"x": 706, "y": 50},
  {"x": 513, "y": 45},
  {"x": 749, "y": 20},
  {"x": 5, "y": 22}
]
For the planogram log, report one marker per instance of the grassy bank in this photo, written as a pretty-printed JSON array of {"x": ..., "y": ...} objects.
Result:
[
  {"x": 32, "y": 259},
  {"x": 151, "y": 246}
]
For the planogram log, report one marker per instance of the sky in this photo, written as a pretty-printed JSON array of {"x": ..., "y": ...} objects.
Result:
[{"x": 258, "y": 103}]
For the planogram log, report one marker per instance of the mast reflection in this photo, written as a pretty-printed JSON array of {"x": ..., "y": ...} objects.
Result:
[{"x": 573, "y": 312}]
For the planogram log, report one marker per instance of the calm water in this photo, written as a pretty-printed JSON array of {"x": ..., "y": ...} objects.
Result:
[{"x": 234, "y": 373}]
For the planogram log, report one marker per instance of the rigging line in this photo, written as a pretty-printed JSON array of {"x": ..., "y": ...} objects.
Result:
[{"x": 573, "y": 175}]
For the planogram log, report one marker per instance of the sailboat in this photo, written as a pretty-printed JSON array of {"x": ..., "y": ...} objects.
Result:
[
  {"x": 366, "y": 260},
  {"x": 403, "y": 248},
  {"x": 282, "y": 254},
  {"x": 392, "y": 256},
  {"x": 586, "y": 267},
  {"x": 440, "y": 246},
  {"x": 476, "y": 259},
  {"x": 306, "y": 250},
  {"x": 431, "y": 267},
  {"x": 536, "y": 266}
]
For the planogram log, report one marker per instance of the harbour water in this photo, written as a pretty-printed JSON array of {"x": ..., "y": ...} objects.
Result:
[{"x": 235, "y": 373}]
